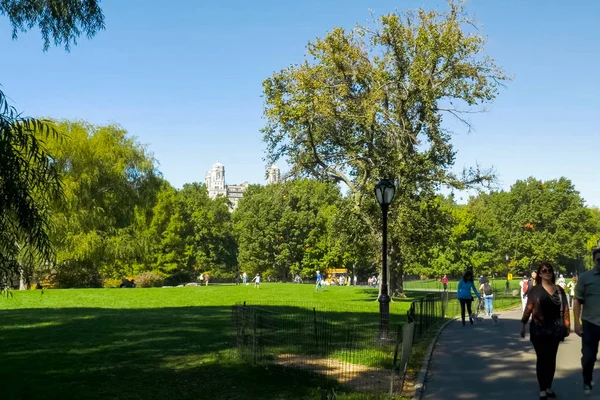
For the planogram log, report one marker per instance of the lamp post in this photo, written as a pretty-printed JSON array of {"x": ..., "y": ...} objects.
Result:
[
  {"x": 384, "y": 192},
  {"x": 507, "y": 272}
]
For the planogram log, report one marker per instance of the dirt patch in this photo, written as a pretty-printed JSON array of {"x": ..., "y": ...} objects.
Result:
[{"x": 355, "y": 376}]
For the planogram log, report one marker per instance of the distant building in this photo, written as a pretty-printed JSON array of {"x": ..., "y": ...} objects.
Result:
[
  {"x": 273, "y": 175},
  {"x": 215, "y": 183}
]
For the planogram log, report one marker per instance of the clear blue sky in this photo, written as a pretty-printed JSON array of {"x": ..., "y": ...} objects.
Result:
[{"x": 185, "y": 78}]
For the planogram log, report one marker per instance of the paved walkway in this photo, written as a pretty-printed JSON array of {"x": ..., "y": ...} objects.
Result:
[{"x": 493, "y": 362}]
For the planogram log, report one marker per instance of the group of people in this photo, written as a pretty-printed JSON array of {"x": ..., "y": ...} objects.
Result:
[
  {"x": 244, "y": 280},
  {"x": 485, "y": 294},
  {"x": 547, "y": 301}
]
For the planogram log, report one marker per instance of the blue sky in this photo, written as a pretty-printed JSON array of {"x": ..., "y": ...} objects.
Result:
[{"x": 186, "y": 80}]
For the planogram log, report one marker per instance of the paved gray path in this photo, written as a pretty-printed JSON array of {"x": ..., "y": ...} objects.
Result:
[{"x": 493, "y": 362}]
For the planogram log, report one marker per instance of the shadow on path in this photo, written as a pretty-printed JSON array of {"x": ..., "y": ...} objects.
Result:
[{"x": 493, "y": 362}]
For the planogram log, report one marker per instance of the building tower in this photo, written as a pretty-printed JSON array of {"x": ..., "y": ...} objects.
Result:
[
  {"x": 273, "y": 175},
  {"x": 215, "y": 181}
]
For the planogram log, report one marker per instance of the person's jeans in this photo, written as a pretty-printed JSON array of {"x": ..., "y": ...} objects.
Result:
[
  {"x": 467, "y": 303},
  {"x": 589, "y": 350},
  {"x": 489, "y": 304},
  {"x": 545, "y": 351}
]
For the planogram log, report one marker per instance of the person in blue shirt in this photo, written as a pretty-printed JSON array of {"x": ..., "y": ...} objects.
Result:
[
  {"x": 319, "y": 282},
  {"x": 465, "y": 285}
]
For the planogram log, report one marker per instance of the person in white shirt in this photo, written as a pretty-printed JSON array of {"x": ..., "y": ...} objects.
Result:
[
  {"x": 561, "y": 281},
  {"x": 571, "y": 291},
  {"x": 256, "y": 281}
]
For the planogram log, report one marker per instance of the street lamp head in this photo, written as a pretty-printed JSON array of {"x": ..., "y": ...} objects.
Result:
[{"x": 384, "y": 192}]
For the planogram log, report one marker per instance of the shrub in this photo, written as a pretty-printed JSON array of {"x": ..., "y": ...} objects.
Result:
[
  {"x": 148, "y": 279},
  {"x": 112, "y": 283}
]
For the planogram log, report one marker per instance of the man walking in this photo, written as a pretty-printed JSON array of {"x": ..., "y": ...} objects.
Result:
[
  {"x": 319, "y": 282},
  {"x": 587, "y": 295}
]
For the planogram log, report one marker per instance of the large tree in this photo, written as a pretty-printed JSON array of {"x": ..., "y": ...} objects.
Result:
[
  {"x": 28, "y": 176},
  {"x": 371, "y": 102}
]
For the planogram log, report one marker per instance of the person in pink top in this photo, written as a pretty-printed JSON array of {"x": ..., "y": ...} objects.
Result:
[{"x": 445, "y": 282}]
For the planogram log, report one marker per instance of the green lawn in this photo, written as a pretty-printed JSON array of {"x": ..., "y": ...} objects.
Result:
[{"x": 153, "y": 343}]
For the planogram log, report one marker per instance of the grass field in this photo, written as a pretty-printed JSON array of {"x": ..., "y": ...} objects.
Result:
[{"x": 153, "y": 343}]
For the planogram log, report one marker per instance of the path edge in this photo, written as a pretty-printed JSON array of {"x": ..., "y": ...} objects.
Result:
[{"x": 420, "y": 384}]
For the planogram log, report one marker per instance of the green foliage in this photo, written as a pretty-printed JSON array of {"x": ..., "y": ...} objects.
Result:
[
  {"x": 107, "y": 177},
  {"x": 148, "y": 279},
  {"x": 290, "y": 228},
  {"x": 29, "y": 184},
  {"x": 62, "y": 21},
  {"x": 111, "y": 283}
]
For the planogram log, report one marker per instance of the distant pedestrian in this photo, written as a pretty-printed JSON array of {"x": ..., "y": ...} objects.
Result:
[
  {"x": 237, "y": 279},
  {"x": 524, "y": 285},
  {"x": 587, "y": 294},
  {"x": 319, "y": 282},
  {"x": 256, "y": 281},
  {"x": 550, "y": 323},
  {"x": 562, "y": 282},
  {"x": 445, "y": 282},
  {"x": 488, "y": 297},
  {"x": 206, "y": 279},
  {"x": 355, "y": 280},
  {"x": 465, "y": 285},
  {"x": 571, "y": 291},
  {"x": 507, "y": 286},
  {"x": 245, "y": 278}
]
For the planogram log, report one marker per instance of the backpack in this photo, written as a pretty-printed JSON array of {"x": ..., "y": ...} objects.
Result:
[
  {"x": 525, "y": 286},
  {"x": 487, "y": 289}
]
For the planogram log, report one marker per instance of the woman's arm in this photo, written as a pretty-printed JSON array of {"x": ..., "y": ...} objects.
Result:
[
  {"x": 475, "y": 290},
  {"x": 566, "y": 310}
]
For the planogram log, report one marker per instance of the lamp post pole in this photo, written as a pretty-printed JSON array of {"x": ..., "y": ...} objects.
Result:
[
  {"x": 384, "y": 192},
  {"x": 384, "y": 298}
]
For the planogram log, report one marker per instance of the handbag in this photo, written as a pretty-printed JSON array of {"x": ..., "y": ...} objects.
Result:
[{"x": 561, "y": 329}]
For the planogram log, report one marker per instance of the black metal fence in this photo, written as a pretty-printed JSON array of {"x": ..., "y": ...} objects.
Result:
[{"x": 335, "y": 351}]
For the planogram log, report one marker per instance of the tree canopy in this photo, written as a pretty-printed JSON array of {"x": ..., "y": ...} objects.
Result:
[{"x": 370, "y": 103}]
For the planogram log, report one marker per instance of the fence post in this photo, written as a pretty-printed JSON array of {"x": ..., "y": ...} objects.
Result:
[
  {"x": 315, "y": 325},
  {"x": 254, "y": 337}
]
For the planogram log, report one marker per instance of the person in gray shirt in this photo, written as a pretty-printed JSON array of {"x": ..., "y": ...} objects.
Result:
[{"x": 587, "y": 294}]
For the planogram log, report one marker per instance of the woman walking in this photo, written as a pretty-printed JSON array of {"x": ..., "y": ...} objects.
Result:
[
  {"x": 549, "y": 311},
  {"x": 465, "y": 285}
]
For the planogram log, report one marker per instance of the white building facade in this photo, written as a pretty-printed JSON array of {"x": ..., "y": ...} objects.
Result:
[{"x": 215, "y": 183}]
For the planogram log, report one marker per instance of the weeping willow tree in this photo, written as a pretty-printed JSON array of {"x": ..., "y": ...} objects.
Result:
[{"x": 29, "y": 178}]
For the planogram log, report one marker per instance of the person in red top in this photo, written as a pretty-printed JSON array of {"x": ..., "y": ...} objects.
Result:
[
  {"x": 445, "y": 282},
  {"x": 206, "y": 278}
]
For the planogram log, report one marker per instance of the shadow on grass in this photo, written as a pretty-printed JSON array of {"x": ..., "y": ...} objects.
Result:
[
  {"x": 161, "y": 353},
  {"x": 98, "y": 353}
]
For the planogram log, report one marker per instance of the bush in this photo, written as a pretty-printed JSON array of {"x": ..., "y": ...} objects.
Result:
[
  {"x": 74, "y": 274},
  {"x": 148, "y": 279},
  {"x": 112, "y": 283}
]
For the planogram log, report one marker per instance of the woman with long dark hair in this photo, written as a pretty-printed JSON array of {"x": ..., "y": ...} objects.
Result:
[
  {"x": 550, "y": 323},
  {"x": 465, "y": 285}
]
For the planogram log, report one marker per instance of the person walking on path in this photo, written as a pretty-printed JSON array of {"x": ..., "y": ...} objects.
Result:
[
  {"x": 587, "y": 295},
  {"x": 319, "y": 282},
  {"x": 488, "y": 296},
  {"x": 571, "y": 291},
  {"x": 550, "y": 324},
  {"x": 524, "y": 285},
  {"x": 245, "y": 278},
  {"x": 445, "y": 282},
  {"x": 465, "y": 285},
  {"x": 206, "y": 279}
]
